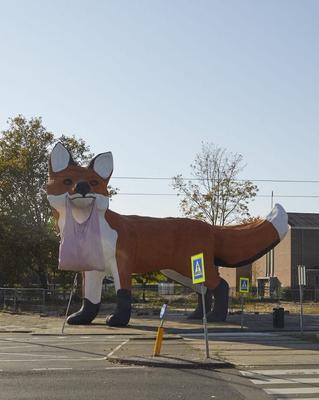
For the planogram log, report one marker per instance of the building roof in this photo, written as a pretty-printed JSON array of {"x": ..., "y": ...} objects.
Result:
[{"x": 303, "y": 220}]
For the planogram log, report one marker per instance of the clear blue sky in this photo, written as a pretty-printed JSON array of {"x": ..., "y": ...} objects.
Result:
[{"x": 149, "y": 80}]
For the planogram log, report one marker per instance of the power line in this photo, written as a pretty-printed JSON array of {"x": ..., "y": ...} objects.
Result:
[
  {"x": 204, "y": 179},
  {"x": 155, "y": 178},
  {"x": 257, "y": 195}
]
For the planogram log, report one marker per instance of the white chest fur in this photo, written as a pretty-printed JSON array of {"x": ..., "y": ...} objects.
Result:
[{"x": 108, "y": 235}]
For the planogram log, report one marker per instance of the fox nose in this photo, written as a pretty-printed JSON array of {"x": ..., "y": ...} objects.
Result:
[{"x": 82, "y": 188}]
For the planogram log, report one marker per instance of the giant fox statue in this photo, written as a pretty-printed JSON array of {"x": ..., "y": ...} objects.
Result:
[{"x": 99, "y": 241}]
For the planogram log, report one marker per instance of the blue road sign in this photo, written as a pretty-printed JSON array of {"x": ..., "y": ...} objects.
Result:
[
  {"x": 198, "y": 269},
  {"x": 243, "y": 285}
]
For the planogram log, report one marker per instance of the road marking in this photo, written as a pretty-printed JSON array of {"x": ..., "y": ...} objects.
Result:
[
  {"x": 231, "y": 334},
  {"x": 289, "y": 377},
  {"x": 117, "y": 348},
  {"x": 57, "y": 369},
  {"x": 126, "y": 367},
  {"x": 17, "y": 347},
  {"x": 297, "y": 398},
  {"x": 55, "y": 359},
  {"x": 278, "y": 372},
  {"x": 28, "y": 355},
  {"x": 307, "y": 390},
  {"x": 50, "y": 369},
  {"x": 269, "y": 381},
  {"x": 71, "y": 369}
]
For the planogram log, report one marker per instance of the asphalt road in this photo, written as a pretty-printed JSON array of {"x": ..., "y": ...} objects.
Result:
[
  {"x": 119, "y": 383},
  {"x": 75, "y": 367}
]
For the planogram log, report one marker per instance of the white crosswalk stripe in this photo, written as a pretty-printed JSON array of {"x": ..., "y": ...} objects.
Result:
[
  {"x": 279, "y": 372},
  {"x": 282, "y": 383},
  {"x": 275, "y": 381}
]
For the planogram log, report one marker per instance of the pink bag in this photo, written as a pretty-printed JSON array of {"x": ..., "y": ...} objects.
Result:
[{"x": 81, "y": 246}]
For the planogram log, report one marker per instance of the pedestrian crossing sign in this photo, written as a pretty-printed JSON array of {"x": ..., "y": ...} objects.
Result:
[
  {"x": 198, "y": 270},
  {"x": 244, "y": 285}
]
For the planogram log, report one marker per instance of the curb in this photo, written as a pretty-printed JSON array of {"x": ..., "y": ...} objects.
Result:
[
  {"x": 171, "y": 362},
  {"x": 86, "y": 334},
  {"x": 15, "y": 331}
]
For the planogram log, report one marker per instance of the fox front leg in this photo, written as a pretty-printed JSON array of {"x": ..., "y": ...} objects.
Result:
[
  {"x": 92, "y": 290},
  {"x": 122, "y": 312}
]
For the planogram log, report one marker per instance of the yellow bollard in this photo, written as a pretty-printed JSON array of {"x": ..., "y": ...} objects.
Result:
[{"x": 158, "y": 342}]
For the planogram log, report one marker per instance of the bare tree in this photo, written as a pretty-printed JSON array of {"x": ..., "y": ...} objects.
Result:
[{"x": 215, "y": 193}]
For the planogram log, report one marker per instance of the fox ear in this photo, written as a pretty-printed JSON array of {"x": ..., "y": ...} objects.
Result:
[
  {"x": 60, "y": 158},
  {"x": 102, "y": 164}
]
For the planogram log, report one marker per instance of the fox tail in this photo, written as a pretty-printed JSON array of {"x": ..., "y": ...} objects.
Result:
[{"x": 242, "y": 244}]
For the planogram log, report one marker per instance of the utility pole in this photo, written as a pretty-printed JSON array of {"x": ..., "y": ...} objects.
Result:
[{"x": 272, "y": 260}]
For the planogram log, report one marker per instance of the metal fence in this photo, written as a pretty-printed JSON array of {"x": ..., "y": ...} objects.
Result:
[
  {"x": 143, "y": 296},
  {"x": 33, "y": 299}
]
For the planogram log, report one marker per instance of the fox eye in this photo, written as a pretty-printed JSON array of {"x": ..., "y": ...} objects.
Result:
[
  {"x": 67, "y": 181},
  {"x": 94, "y": 183}
]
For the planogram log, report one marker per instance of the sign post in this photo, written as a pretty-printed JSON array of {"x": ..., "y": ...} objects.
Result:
[
  {"x": 301, "y": 283},
  {"x": 70, "y": 298},
  {"x": 243, "y": 288},
  {"x": 198, "y": 277}
]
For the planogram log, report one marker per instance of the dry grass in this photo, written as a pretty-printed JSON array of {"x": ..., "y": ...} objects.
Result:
[{"x": 292, "y": 307}]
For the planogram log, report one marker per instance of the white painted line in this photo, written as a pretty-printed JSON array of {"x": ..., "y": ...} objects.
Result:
[
  {"x": 17, "y": 347},
  {"x": 269, "y": 381},
  {"x": 232, "y": 334},
  {"x": 77, "y": 342},
  {"x": 117, "y": 348},
  {"x": 277, "y": 372},
  {"x": 293, "y": 390},
  {"x": 126, "y": 367},
  {"x": 50, "y": 369},
  {"x": 28, "y": 355},
  {"x": 58, "y": 359},
  {"x": 297, "y": 398}
]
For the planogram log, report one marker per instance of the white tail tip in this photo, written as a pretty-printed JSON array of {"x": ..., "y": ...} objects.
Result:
[{"x": 279, "y": 218}]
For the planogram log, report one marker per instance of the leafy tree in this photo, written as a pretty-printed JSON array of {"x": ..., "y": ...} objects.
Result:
[
  {"x": 215, "y": 194},
  {"x": 29, "y": 244}
]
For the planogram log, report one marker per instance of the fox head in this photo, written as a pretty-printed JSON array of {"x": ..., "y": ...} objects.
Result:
[{"x": 81, "y": 185}]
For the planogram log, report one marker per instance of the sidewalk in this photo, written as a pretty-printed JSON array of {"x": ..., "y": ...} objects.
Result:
[
  {"x": 175, "y": 323},
  {"x": 267, "y": 346},
  {"x": 175, "y": 353}
]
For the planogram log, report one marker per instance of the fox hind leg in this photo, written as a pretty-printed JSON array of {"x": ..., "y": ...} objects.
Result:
[
  {"x": 220, "y": 308},
  {"x": 218, "y": 289},
  {"x": 198, "y": 312}
]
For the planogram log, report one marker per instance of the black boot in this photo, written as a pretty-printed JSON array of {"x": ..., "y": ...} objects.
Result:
[
  {"x": 122, "y": 313},
  {"x": 85, "y": 315},
  {"x": 198, "y": 312},
  {"x": 220, "y": 308}
]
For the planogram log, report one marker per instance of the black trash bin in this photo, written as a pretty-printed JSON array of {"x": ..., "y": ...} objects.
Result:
[{"x": 278, "y": 317}]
